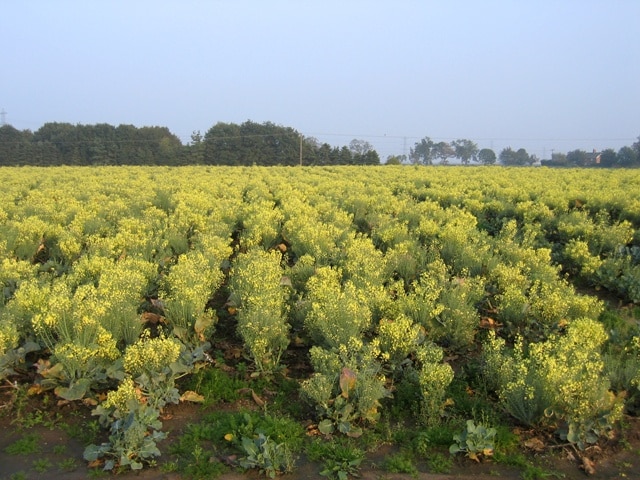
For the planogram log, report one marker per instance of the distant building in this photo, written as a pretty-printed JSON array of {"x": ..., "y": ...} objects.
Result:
[{"x": 593, "y": 158}]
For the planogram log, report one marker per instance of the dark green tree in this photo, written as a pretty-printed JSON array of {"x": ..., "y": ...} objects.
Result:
[
  {"x": 627, "y": 157},
  {"x": 465, "y": 150},
  {"x": 508, "y": 156},
  {"x": 15, "y": 146},
  {"x": 395, "y": 159},
  {"x": 578, "y": 158},
  {"x": 486, "y": 156},
  {"x": 443, "y": 151},
  {"x": 608, "y": 158},
  {"x": 422, "y": 152}
]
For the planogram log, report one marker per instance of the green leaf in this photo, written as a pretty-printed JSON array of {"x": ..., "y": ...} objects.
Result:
[
  {"x": 326, "y": 427},
  {"x": 92, "y": 453},
  {"x": 75, "y": 391}
]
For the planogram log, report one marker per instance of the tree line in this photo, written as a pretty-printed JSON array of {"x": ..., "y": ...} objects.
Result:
[
  {"x": 250, "y": 143},
  {"x": 427, "y": 152}
]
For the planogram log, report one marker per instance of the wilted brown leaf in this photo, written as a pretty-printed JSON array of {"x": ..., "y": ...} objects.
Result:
[
  {"x": 535, "y": 444},
  {"x": 588, "y": 466},
  {"x": 260, "y": 402},
  {"x": 152, "y": 318},
  {"x": 191, "y": 396},
  {"x": 347, "y": 381},
  {"x": 488, "y": 322}
]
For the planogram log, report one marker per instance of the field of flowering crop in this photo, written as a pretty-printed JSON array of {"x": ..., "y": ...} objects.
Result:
[{"x": 407, "y": 290}]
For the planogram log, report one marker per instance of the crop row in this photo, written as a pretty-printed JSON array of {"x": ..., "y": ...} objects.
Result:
[{"x": 115, "y": 278}]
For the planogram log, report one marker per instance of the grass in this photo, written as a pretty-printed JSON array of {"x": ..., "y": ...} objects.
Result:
[{"x": 27, "y": 445}]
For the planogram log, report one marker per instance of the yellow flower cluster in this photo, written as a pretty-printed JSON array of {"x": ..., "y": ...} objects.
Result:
[
  {"x": 256, "y": 280},
  {"x": 261, "y": 222},
  {"x": 121, "y": 398},
  {"x": 564, "y": 373},
  {"x": 337, "y": 312},
  {"x": 150, "y": 355},
  {"x": 398, "y": 337},
  {"x": 9, "y": 337}
]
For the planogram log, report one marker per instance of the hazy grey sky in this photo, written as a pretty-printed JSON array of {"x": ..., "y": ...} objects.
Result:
[{"x": 556, "y": 74}]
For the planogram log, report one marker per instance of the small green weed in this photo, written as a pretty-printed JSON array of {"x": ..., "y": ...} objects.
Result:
[
  {"x": 67, "y": 465},
  {"x": 42, "y": 465},
  {"x": 340, "y": 457},
  {"x": 18, "y": 476},
  {"x": 532, "y": 472},
  {"x": 216, "y": 386},
  {"x": 39, "y": 418},
  {"x": 439, "y": 463},
  {"x": 201, "y": 466},
  {"x": 59, "y": 449},
  {"x": 169, "y": 467},
  {"x": 86, "y": 433},
  {"x": 402, "y": 462},
  {"x": 421, "y": 443},
  {"x": 27, "y": 445}
]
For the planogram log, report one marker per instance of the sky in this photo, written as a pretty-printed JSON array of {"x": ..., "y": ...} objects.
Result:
[{"x": 544, "y": 75}]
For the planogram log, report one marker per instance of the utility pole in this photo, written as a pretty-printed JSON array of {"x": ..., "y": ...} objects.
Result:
[
  {"x": 300, "y": 149},
  {"x": 3, "y": 118}
]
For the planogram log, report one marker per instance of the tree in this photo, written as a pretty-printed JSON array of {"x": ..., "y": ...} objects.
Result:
[
  {"x": 627, "y": 157},
  {"x": 443, "y": 151},
  {"x": 510, "y": 157},
  {"x": 608, "y": 158},
  {"x": 15, "y": 146},
  {"x": 363, "y": 153},
  {"x": 360, "y": 147},
  {"x": 195, "y": 149},
  {"x": 465, "y": 150},
  {"x": 578, "y": 158},
  {"x": 422, "y": 152},
  {"x": 395, "y": 159},
  {"x": 486, "y": 156}
]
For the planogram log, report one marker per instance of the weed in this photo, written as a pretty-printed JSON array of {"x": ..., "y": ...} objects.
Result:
[
  {"x": 38, "y": 418},
  {"x": 340, "y": 457},
  {"x": 442, "y": 434},
  {"x": 532, "y": 472},
  {"x": 402, "y": 462},
  {"x": 59, "y": 449},
  {"x": 85, "y": 433},
  {"x": 439, "y": 463},
  {"x": 216, "y": 386},
  {"x": 67, "y": 465},
  {"x": 200, "y": 464},
  {"x": 18, "y": 476},
  {"x": 27, "y": 445},
  {"x": 421, "y": 443},
  {"x": 168, "y": 467},
  {"x": 42, "y": 465}
]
